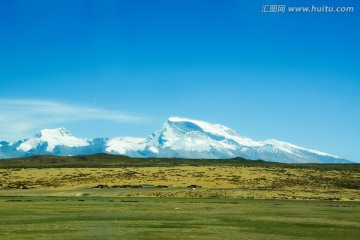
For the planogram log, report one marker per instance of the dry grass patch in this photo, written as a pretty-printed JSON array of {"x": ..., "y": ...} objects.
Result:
[{"x": 219, "y": 181}]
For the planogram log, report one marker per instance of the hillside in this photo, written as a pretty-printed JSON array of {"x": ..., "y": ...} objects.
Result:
[
  {"x": 226, "y": 178},
  {"x": 108, "y": 160},
  {"x": 176, "y": 138}
]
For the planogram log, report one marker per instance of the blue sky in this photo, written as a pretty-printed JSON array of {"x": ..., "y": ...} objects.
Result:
[{"x": 115, "y": 68}]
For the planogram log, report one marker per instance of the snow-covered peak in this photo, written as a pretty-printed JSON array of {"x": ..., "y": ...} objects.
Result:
[
  {"x": 177, "y": 137},
  {"x": 122, "y": 145},
  {"x": 283, "y": 146},
  {"x": 216, "y": 131},
  {"x": 178, "y": 119},
  {"x": 288, "y": 147},
  {"x": 56, "y": 132},
  {"x": 52, "y": 137}
]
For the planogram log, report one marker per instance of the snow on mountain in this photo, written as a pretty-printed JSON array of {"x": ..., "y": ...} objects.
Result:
[
  {"x": 177, "y": 137},
  {"x": 52, "y": 138},
  {"x": 288, "y": 147},
  {"x": 125, "y": 145},
  {"x": 182, "y": 137},
  {"x": 216, "y": 131}
]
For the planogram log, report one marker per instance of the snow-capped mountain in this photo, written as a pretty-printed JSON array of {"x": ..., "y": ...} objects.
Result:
[
  {"x": 125, "y": 146},
  {"x": 57, "y": 141},
  {"x": 177, "y": 137},
  {"x": 52, "y": 138},
  {"x": 182, "y": 137}
]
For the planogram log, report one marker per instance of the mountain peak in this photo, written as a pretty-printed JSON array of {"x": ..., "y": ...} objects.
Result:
[
  {"x": 289, "y": 147},
  {"x": 58, "y": 132},
  {"x": 180, "y": 119},
  {"x": 184, "y": 133},
  {"x": 177, "y": 137},
  {"x": 52, "y": 138}
]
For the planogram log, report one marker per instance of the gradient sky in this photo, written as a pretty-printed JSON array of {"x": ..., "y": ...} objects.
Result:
[{"x": 116, "y": 68}]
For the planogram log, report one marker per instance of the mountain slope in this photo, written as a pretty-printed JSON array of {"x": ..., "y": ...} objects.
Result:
[
  {"x": 52, "y": 138},
  {"x": 187, "y": 138},
  {"x": 181, "y": 137},
  {"x": 177, "y": 137},
  {"x": 125, "y": 146}
]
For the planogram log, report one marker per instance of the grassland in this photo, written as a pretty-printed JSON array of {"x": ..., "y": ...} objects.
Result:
[
  {"x": 236, "y": 178},
  {"x": 98, "y": 197},
  {"x": 215, "y": 181},
  {"x": 107, "y": 160},
  {"x": 156, "y": 218}
]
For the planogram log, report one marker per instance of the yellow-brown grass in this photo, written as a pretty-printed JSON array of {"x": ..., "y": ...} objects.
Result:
[{"x": 216, "y": 181}]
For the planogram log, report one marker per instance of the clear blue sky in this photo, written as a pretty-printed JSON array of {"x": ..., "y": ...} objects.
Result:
[{"x": 290, "y": 76}]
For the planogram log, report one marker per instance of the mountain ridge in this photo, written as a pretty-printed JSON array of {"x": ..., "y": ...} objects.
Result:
[{"x": 177, "y": 137}]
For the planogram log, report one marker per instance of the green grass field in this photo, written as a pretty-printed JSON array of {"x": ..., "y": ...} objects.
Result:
[
  {"x": 157, "y": 218},
  {"x": 50, "y": 197}
]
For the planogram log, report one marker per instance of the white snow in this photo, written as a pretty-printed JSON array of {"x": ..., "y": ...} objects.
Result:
[
  {"x": 29, "y": 144},
  {"x": 193, "y": 142},
  {"x": 288, "y": 147},
  {"x": 219, "y": 130},
  {"x": 167, "y": 134},
  {"x": 184, "y": 134},
  {"x": 180, "y": 137},
  {"x": 154, "y": 149},
  {"x": 53, "y": 137},
  {"x": 319, "y": 153},
  {"x": 283, "y": 146},
  {"x": 122, "y": 145}
]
